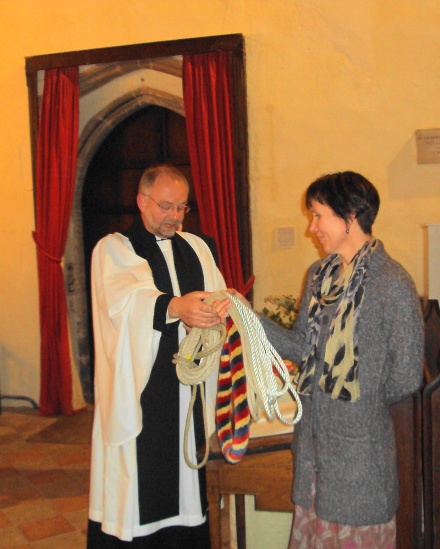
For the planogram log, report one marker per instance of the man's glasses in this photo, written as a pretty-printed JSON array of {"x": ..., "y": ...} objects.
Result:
[{"x": 167, "y": 208}]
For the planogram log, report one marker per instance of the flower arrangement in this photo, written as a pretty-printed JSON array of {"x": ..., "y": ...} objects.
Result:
[{"x": 282, "y": 309}]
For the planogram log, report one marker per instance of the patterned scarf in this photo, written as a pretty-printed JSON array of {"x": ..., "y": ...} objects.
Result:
[{"x": 340, "y": 373}]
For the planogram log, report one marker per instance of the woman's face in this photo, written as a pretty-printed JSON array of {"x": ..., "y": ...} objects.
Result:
[{"x": 329, "y": 229}]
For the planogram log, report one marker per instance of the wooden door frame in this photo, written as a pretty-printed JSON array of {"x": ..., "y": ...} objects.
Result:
[{"x": 233, "y": 43}]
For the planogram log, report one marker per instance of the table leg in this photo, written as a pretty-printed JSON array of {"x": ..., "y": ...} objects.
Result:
[
  {"x": 214, "y": 499},
  {"x": 240, "y": 514}
]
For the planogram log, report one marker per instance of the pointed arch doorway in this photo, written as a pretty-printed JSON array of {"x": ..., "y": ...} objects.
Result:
[{"x": 151, "y": 135}]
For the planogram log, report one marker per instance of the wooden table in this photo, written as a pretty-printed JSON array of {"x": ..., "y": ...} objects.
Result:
[{"x": 265, "y": 472}]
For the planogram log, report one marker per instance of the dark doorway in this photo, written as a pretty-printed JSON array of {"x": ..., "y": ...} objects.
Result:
[{"x": 149, "y": 136}]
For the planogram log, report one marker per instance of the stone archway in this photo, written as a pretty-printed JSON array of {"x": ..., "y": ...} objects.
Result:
[{"x": 93, "y": 134}]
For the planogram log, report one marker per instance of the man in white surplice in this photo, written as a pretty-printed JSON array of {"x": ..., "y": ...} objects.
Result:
[{"x": 148, "y": 285}]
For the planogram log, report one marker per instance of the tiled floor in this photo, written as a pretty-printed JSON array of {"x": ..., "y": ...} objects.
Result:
[{"x": 44, "y": 487}]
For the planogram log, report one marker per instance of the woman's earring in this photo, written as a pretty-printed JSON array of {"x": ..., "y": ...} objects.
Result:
[{"x": 347, "y": 231}]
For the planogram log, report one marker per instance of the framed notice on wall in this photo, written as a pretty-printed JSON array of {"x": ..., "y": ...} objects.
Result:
[
  {"x": 428, "y": 146},
  {"x": 433, "y": 260}
]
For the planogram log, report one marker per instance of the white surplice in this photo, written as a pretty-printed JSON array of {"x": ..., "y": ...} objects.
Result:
[{"x": 123, "y": 298}]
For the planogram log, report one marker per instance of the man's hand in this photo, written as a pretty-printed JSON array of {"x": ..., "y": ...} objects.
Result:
[{"x": 194, "y": 312}]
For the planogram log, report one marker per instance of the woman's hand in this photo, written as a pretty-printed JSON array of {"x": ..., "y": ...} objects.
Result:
[
  {"x": 221, "y": 308},
  {"x": 238, "y": 295}
]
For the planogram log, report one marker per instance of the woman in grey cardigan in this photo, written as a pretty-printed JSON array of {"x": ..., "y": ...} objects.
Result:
[{"x": 359, "y": 340}]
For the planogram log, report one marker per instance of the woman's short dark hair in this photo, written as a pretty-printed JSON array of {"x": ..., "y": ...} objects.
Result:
[{"x": 347, "y": 194}]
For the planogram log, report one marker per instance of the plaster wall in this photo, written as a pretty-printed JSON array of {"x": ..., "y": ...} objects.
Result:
[{"x": 331, "y": 86}]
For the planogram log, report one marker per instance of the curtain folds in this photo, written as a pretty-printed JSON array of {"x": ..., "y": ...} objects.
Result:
[
  {"x": 207, "y": 99},
  {"x": 55, "y": 179}
]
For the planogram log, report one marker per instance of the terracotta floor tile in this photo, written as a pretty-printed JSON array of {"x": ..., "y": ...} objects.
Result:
[
  {"x": 65, "y": 505},
  {"x": 81, "y": 469},
  {"x": 7, "y": 429},
  {"x": 4, "y": 462},
  {"x": 72, "y": 540},
  {"x": 4, "y": 521},
  {"x": 45, "y": 528},
  {"x": 34, "y": 425},
  {"x": 8, "y": 471},
  {"x": 78, "y": 518},
  {"x": 72, "y": 454},
  {"x": 43, "y": 464},
  {"x": 48, "y": 476},
  {"x": 80, "y": 475},
  {"x": 29, "y": 511},
  {"x": 6, "y": 449},
  {"x": 25, "y": 455},
  {"x": 9, "y": 438},
  {"x": 16, "y": 483},
  {"x": 13, "y": 537},
  {"x": 67, "y": 489},
  {"x": 14, "y": 490}
]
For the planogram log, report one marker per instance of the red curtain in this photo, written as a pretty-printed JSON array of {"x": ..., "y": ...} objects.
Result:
[
  {"x": 55, "y": 179},
  {"x": 207, "y": 97}
]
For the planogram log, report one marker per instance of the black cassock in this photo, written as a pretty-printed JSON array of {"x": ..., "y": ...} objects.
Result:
[{"x": 158, "y": 442}]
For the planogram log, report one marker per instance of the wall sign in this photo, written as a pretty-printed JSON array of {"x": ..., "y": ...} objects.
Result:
[{"x": 428, "y": 146}]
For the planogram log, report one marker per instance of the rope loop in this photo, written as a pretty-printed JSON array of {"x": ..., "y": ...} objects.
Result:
[
  {"x": 45, "y": 252},
  {"x": 260, "y": 360},
  {"x": 198, "y": 356},
  {"x": 247, "y": 382},
  {"x": 188, "y": 425}
]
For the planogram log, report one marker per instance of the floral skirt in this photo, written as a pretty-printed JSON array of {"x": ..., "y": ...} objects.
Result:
[{"x": 311, "y": 532}]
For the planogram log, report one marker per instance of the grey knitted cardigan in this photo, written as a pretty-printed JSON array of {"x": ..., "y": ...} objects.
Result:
[{"x": 350, "y": 446}]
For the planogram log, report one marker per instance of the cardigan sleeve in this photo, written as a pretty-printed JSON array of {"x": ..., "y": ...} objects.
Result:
[
  {"x": 406, "y": 340},
  {"x": 289, "y": 343}
]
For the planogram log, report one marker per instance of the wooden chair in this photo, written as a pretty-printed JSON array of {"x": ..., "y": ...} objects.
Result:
[
  {"x": 431, "y": 316},
  {"x": 431, "y": 463},
  {"x": 407, "y": 417}
]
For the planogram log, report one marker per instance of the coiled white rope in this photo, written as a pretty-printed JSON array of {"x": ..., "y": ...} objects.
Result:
[
  {"x": 204, "y": 345},
  {"x": 259, "y": 357}
]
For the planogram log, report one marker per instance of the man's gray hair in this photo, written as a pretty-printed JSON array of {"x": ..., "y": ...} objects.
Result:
[{"x": 150, "y": 175}]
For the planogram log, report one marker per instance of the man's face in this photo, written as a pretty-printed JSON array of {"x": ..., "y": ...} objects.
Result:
[{"x": 167, "y": 191}]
